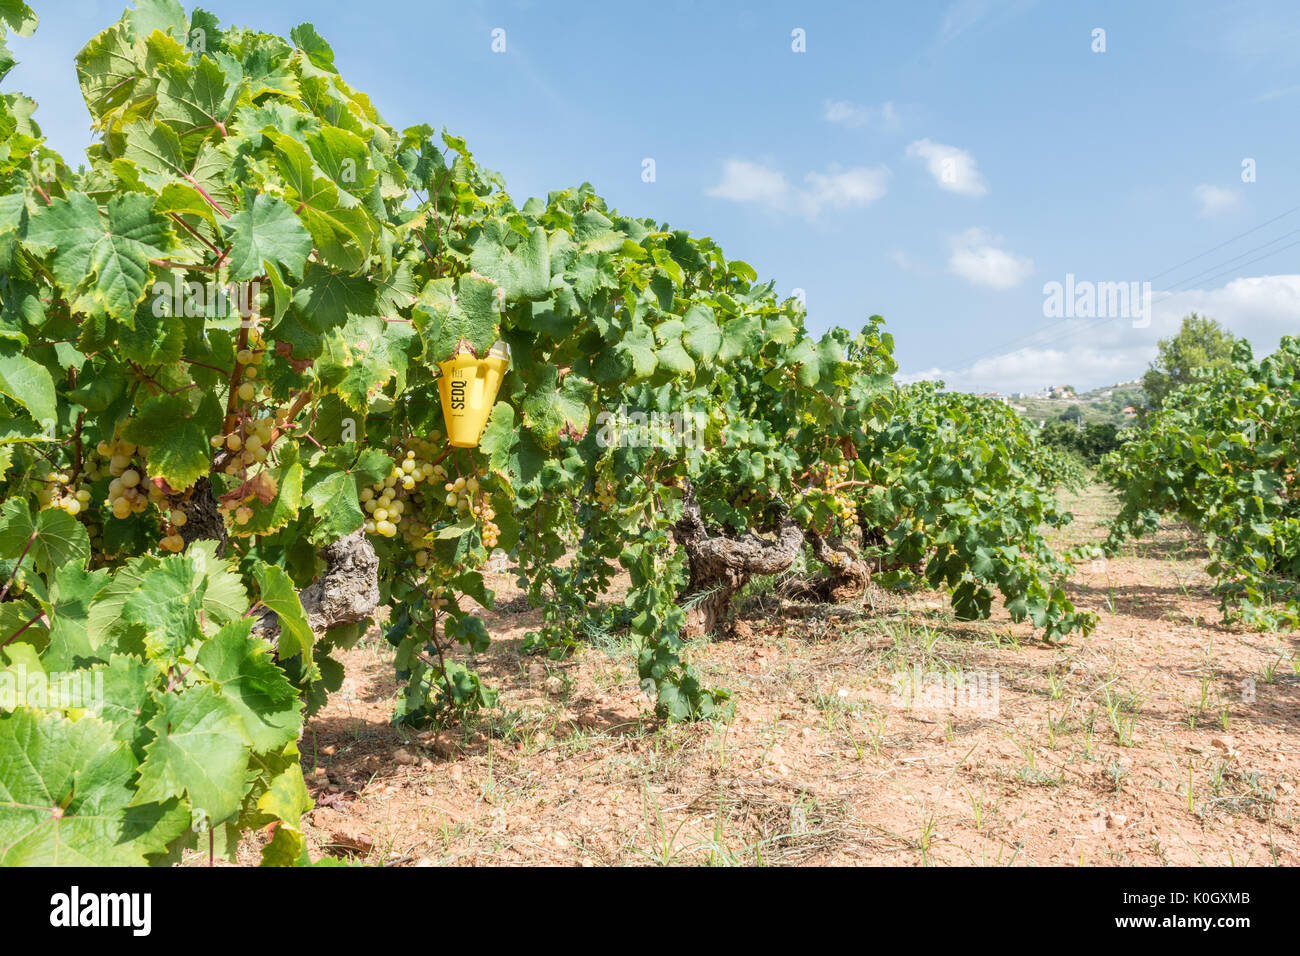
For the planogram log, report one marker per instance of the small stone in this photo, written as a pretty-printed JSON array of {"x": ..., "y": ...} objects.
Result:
[
  {"x": 554, "y": 686},
  {"x": 353, "y": 839},
  {"x": 404, "y": 757},
  {"x": 456, "y": 773}
]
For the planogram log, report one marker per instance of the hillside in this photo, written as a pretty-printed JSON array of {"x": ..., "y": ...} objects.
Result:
[{"x": 1099, "y": 406}]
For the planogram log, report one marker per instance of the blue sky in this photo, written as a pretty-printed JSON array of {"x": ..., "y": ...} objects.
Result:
[{"x": 936, "y": 163}]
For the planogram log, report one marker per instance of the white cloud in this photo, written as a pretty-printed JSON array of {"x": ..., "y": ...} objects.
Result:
[
  {"x": 856, "y": 186},
  {"x": 953, "y": 169},
  {"x": 850, "y": 114},
  {"x": 1215, "y": 199},
  {"x": 743, "y": 181},
  {"x": 901, "y": 259},
  {"x": 837, "y": 187},
  {"x": 977, "y": 258},
  {"x": 1088, "y": 354}
]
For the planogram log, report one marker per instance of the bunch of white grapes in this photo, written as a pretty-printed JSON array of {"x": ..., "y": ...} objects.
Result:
[
  {"x": 395, "y": 504},
  {"x": 128, "y": 493},
  {"x": 384, "y": 500},
  {"x": 55, "y": 492},
  {"x": 842, "y": 504}
]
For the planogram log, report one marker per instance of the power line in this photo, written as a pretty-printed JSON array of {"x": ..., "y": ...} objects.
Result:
[
  {"x": 1267, "y": 255},
  {"x": 1242, "y": 255},
  {"x": 1073, "y": 327},
  {"x": 1226, "y": 242}
]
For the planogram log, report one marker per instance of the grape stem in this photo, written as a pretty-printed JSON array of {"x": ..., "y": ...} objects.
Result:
[
  {"x": 199, "y": 236},
  {"x": 12, "y": 637},
  {"x": 27, "y": 547},
  {"x": 204, "y": 193}
]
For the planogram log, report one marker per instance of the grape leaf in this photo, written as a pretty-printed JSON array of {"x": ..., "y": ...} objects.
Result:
[
  {"x": 104, "y": 258},
  {"x": 167, "y": 605},
  {"x": 27, "y": 383},
  {"x": 57, "y": 538},
  {"x": 266, "y": 234},
  {"x": 65, "y": 796},
  {"x": 552, "y": 405},
  {"x": 470, "y": 314},
  {"x": 199, "y": 750},
  {"x": 332, "y": 495},
  {"x": 278, "y": 594},
  {"x": 242, "y": 667},
  {"x": 524, "y": 272},
  {"x": 178, "y": 444}
]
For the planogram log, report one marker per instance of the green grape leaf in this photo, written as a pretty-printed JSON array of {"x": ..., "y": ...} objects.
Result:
[
  {"x": 266, "y": 234},
  {"x": 253, "y": 685},
  {"x": 197, "y": 100},
  {"x": 283, "y": 506},
  {"x": 128, "y": 703},
  {"x": 167, "y": 605},
  {"x": 224, "y": 597},
  {"x": 177, "y": 441},
  {"x": 471, "y": 314},
  {"x": 342, "y": 229},
  {"x": 499, "y": 436},
  {"x": 277, "y": 591},
  {"x": 57, "y": 538},
  {"x": 326, "y": 299},
  {"x": 65, "y": 796},
  {"x": 156, "y": 153},
  {"x": 320, "y": 53},
  {"x": 287, "y": 800},
  {"x": 332, "y": 495},
  {"x": 104, "y": 258},
  {"x": 553, "y": 405},
  {"x": 68, "y": 610},
  {"x": 199, "y": 750},
  {"x": 524, "y": 272},
  {"x": 27, "y": 383},
  {"x": 701, "y": 337}
]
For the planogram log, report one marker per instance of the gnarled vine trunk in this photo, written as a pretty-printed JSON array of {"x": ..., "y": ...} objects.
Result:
[
  {"x": 345, "y": 593},
  {"x": 721, "y": 565},
  {"x": 850, "y": 575}
]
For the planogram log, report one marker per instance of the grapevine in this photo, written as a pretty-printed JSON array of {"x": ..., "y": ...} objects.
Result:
[
  {"x": 1221, "y": 454},
  {"x": 219, "y": 362}
]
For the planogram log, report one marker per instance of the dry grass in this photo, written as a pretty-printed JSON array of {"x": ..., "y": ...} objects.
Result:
[{"x": 1144, "y": 744}]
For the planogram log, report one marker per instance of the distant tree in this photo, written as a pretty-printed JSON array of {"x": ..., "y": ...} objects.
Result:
[
  {"x": 1200, "y": 343},
  {"x": 1072, "y": 414},
  {"x": 1090, "y": 444}
]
